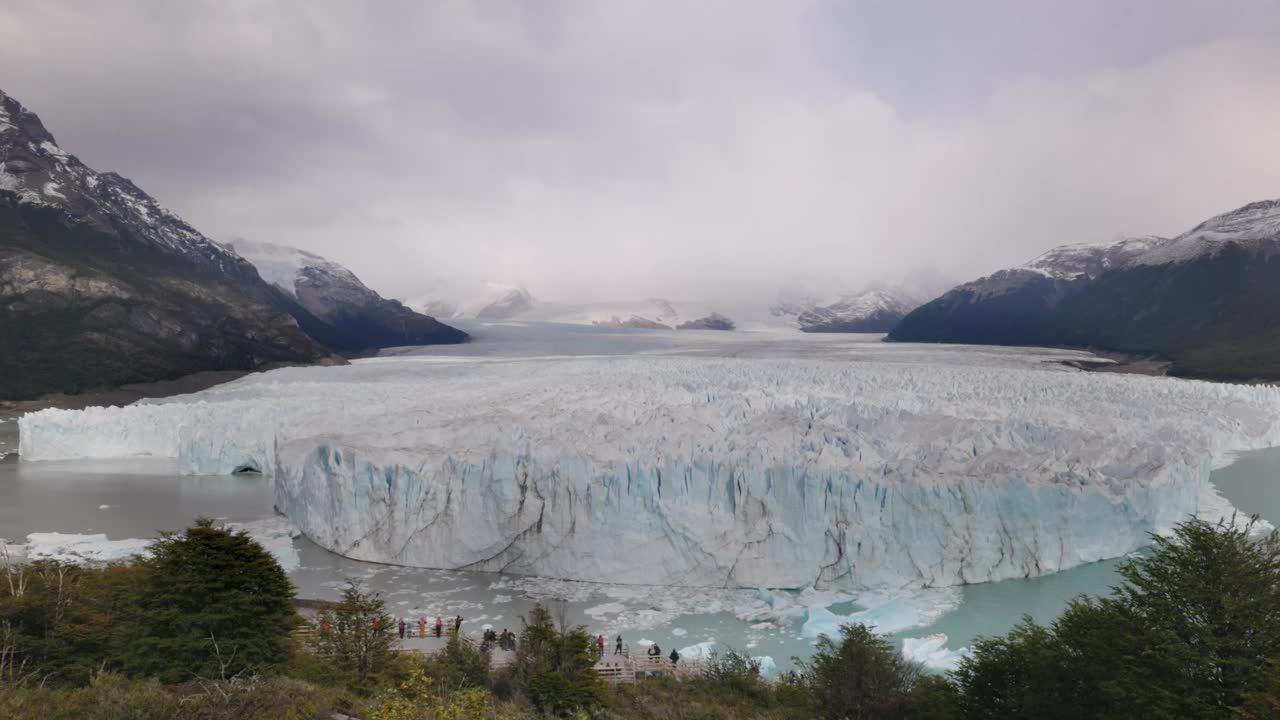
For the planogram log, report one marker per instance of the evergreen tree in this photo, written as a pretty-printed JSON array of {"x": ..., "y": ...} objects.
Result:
[
  {"x": 556, "y": 666},
  {"x": 211, "y": 603},
  {"x": 356, "y": 636}
]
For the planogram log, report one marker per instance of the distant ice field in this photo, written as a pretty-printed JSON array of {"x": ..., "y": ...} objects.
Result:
[{"x": 732, "y": 460}]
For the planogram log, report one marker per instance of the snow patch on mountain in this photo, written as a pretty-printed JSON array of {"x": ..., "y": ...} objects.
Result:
[
  {"x": 39, "y": 172},
  {"x": 1255, "y": 225},
  {"x": 1072, "y": 262},
  {"x": 284, "y": 266}
]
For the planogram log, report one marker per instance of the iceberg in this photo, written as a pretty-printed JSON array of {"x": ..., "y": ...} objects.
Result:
[
  {"x": 816, "y": 464},
  {"x": 932, "y": 652},
  {"x": 274, "y": 534},
  {"x": 82, "y": 548}
]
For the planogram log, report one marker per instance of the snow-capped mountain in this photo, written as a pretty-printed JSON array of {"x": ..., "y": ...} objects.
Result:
[
  {"x": 511, "y": 304},
  {"x": 359, "y": 317},
  {"x": 1208, "y": 299},
  {"x": 505, "y": 302},
  {"x": 1254, "y": 228},
  {"x": 100, "y": 285},
  {"x": 870, "y": 311},
  {"x": 454, "y": 302}
]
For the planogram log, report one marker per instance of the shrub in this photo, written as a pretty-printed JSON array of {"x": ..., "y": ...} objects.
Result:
[
  {"x": 354, "y": 638},
  {"x": 859, "y": 677}
]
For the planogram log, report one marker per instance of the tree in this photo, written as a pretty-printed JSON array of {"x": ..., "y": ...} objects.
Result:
[
  {"x": 1207, "y": 601},
  {"x": 1188, "y": 633},
  {"x": 556, "y": 665},
  {"x": 934, "y": 697},
  {"x": 1018, "y": 675},
  {"x": 355, "y": 636},
  {"x": 211, "y": 603},
  {"x": 860, "y": 677},
  {"x": 1264, "y": 704}
]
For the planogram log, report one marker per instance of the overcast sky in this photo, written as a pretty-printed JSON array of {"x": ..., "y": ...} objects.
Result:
[{"x": 612, "y": 149}]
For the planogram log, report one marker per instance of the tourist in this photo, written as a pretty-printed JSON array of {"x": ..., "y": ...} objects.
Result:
[
  {"x": 439, "y": 626},
  {"x": 675, "y": 658},
  {"x": 422, "y": 627},
  {"x": 401, "y": 628},
  {"x": 600, "y": 644},
  {"x": 457, "y": 625},
  {"x": 617, "y": 646},
  {"x": 654, "y": 650}
]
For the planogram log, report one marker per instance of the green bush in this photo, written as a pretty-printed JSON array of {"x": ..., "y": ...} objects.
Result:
[
  {"x": 555, "y": 667},
  {"x": 355, "y": 639},
  {"x": 114, "y": 697},
  {"x": 860, "y": 676}
]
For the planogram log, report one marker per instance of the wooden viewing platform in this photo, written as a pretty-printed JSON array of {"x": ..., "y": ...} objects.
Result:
[{"x": 626, "y": 669}]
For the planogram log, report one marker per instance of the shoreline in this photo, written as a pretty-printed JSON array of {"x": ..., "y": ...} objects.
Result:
[{"x": 124, "y": 394}]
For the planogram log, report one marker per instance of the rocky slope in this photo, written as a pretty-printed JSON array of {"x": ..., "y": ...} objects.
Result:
[
  {"x": 100, "y": 285},
  {"x": 714, "y": 321},
  {"x": 1208, "y": 300},
  {"x": 358, "y": 317}
]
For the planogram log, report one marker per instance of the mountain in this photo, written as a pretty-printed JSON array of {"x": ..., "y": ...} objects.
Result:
[
  {"x": 504, "y": 302},
  {"x": 873, "y": 310},
  {"x": 512, "y": 303},
  {"x": 359, "y": 318},
  {"x": 870, "y": 311},
  {"x": 100, "y": 285},
  {"x": 1207, "y": 300},
  {"x": 714, "y": 321}
]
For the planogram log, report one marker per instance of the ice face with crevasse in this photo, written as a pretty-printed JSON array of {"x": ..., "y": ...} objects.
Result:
[{"x": 838, "y": 464}]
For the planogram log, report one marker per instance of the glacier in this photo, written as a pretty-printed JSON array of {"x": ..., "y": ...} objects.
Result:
[{"x": 732, "y": 462}]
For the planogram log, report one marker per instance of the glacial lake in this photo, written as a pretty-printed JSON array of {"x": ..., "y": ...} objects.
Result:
[{"x": 137, "y": 498}]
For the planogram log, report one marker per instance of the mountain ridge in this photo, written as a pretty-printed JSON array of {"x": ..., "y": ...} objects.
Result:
[{"x": 1208, "y": 300}]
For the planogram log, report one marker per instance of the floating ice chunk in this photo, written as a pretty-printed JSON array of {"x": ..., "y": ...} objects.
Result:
[
  {"x": 821, "y": 621},
  {"x": 679, "y": 632},
  {"x": 931, "y": 650},
  {"x": 768, "y": 668},
  {"x": 105, "y": 507},
  {"x": 642, "y": 642},
  {"x": 612, "y": 608},
  {"x": 276, "y": 535},
  {"x": 77, "y": 548},
  {"x": 700, "y": 651}
]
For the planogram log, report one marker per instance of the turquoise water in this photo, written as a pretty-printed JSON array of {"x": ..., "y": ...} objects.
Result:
[{"x": 1252, "y": 483}]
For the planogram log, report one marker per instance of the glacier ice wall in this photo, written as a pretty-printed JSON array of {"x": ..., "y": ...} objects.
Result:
[{"x": 906, "y": 469}]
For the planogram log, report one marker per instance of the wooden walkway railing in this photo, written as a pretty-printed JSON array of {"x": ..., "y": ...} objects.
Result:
[{"x": 627, "y": 669}]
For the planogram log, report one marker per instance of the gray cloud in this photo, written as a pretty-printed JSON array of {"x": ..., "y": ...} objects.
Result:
[{"x": 713, "y": 149}]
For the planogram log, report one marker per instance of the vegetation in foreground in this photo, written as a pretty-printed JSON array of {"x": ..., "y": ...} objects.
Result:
[{"x": 204, "y": 629}]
